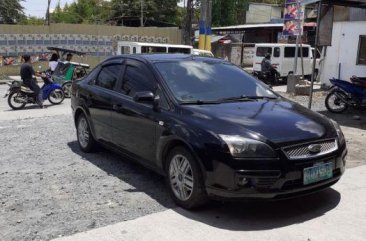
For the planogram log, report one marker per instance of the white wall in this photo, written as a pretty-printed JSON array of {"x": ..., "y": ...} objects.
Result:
[{"x": 344, "y": 50}]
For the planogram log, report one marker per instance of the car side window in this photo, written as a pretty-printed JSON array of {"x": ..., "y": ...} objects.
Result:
[
  {"x": 108, "y": 76},
  {"x": 277, "y": 52},
  {"x": 136, "y": 79}
]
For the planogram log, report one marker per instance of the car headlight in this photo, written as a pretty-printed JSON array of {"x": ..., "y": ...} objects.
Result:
[
  {"x": 247, "y": 148},
  {"x": 340, "y": 135}
]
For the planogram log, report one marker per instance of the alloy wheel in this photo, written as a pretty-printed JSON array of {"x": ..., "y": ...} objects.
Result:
[{"x": 181, "y": 177}]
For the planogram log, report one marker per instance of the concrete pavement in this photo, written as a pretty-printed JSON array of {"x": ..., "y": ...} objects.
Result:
[{"x": 335, "y": 214}]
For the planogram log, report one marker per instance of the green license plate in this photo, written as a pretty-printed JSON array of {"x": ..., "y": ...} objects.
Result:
[{"x": 318, "y": 173}]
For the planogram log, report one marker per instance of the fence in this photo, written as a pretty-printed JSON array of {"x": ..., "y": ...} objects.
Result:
[{"x": 98, "y": 41}]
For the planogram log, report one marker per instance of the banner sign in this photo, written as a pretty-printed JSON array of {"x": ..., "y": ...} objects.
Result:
[{"x": 293, "y": 18}]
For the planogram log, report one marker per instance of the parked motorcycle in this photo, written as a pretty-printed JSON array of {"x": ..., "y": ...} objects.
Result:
[
  {"x": 344, "y": 94},
  {"x": 20, "y": 95}
]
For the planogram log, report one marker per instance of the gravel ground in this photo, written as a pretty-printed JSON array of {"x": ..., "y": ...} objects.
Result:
[{"x": 48, "y": 188}]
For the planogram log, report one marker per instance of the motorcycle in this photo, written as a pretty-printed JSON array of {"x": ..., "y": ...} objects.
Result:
[
  {"x": 266, "y": 77},
  {"x": 344, "y": 94},
  {"x": 20, "y": 95}
]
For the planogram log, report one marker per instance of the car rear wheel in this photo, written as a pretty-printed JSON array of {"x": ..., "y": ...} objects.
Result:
[
  {"x": 184, "y": 179},
  {"x": 85, "y": 138}
]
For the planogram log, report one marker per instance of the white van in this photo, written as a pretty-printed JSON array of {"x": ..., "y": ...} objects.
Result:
[
  {"x": 126, "y": 47},
  {"x": 283, "y": 56}
]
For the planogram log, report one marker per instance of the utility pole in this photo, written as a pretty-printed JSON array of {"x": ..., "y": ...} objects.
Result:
[
  {"x": 202, "y": 25},
  {"x": 188, "y": 23},
  {"x": 48, "y": 13},
  {"x": 208, "y": 25},
  {"x": 205, "y": 25},
  {"x": 142, "y": 13}
]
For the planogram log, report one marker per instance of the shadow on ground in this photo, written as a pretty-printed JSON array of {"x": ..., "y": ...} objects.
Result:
[
  {"x": 265, "y": 215},
  {"x": 139, "y": 177},
  {"x": 243, "y": 216}
]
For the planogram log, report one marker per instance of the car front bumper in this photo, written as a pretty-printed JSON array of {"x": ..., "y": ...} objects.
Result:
[{"x": 284, "y": 182}]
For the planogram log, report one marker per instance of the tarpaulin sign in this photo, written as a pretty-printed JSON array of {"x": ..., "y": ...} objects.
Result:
[{"x": 293, "y": 16}]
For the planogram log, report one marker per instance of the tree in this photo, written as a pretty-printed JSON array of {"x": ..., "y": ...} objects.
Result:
[
  {"x": 159, "y": 10},
  {"x": 11, "y": 11}
]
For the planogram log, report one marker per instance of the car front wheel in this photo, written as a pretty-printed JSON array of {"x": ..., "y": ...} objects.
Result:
[{"x": 184, "y": 178}]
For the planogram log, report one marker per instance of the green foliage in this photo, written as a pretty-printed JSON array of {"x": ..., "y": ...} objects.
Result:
[
  {"x": 11, "y": 11},
  {"x": 99, "y": 11},
  {"x": 32, "y": 21}
]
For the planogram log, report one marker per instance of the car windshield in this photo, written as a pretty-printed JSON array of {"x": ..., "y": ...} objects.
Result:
[{"x": 202, "y": 81}]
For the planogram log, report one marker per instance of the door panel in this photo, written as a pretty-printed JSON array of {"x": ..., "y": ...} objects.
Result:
[
  {"x": 100, "y": 108},
  {"x": 134, "y": 124},
  {"x": 99, "y": 100}
]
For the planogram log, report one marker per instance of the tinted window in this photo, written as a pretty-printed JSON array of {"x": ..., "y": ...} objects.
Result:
[
  {"x": 148, "y": 49},
  {"x": 290, "y": 52},
  {"x": 179, "y": 50},
  {"x": 136, "y": 80},
  {"x": 361, "y": 56},
  {"x": 108, "y": 76},
  {"x": 262, "y": 51},
  {"x": 277, "y": 52},
  {"x": 209, "y": 80},
  {"x": 125, "y": 49}
]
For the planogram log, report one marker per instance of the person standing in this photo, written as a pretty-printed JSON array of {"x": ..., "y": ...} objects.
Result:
[{"x": 27, "y": 74}]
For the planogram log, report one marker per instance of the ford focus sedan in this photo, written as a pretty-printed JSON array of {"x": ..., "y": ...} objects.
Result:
[{"x": 210, "y": 128}]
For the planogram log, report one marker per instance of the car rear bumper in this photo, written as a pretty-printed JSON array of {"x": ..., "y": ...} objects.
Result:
[{"x": 271, "y": 184}]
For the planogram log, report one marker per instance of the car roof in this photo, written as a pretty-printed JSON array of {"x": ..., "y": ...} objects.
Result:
[{"x": 152, "y": 58}]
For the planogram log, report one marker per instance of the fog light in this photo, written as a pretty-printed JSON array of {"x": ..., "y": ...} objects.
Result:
[{"x": 243, "y": 181}]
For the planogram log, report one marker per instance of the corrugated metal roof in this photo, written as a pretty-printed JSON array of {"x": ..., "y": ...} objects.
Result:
[
  {"x": 351, "y": 3},
  {"x": 243, "y": 26}
]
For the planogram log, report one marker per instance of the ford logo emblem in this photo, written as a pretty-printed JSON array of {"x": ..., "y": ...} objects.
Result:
[{"x": 314, "y": 148}]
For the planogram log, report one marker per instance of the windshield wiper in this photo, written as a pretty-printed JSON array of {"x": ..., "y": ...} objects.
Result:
[
  {"x": 200, "y": 102},
  {"x": 245, "y": 98}
]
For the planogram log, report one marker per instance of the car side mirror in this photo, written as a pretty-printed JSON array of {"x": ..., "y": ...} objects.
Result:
[{"x": 144, "y": 96}]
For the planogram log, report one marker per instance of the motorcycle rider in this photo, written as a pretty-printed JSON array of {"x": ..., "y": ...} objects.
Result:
[
  {"x": 268, "y": 69},
  {"x": 27, "y": 74}
]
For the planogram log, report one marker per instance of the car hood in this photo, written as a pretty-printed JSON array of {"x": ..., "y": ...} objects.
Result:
[{"x": 277, "y": 121}]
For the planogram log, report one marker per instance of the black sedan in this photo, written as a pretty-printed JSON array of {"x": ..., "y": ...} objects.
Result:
[{"x": 210, "y": 128}]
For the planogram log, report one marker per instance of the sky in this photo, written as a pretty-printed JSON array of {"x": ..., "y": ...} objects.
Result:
[{"x": 38, "y": 7}]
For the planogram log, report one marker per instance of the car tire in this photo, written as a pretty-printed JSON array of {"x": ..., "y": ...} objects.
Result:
[
  {"x": 184, "y": 179},
  {"x": 86, "y": 140}
]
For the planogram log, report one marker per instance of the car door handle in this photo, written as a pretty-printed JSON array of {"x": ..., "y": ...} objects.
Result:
[{"x": 118, "y": 107}]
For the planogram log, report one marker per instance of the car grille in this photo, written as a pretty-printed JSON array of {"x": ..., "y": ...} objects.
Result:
[{"x": 302, "y": 151}]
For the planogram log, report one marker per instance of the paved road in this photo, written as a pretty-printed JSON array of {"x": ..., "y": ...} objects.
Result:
[
  {"x": 337, "y": 214},
  {"x": 48, "y": 188}
]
